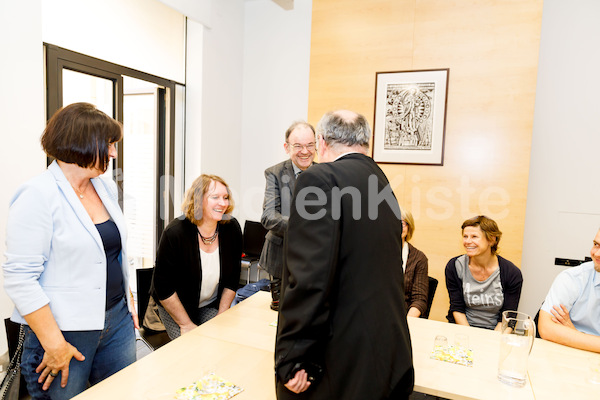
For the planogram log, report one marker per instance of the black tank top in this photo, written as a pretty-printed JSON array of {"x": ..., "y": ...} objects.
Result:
[{"x": 111, "y": 239}]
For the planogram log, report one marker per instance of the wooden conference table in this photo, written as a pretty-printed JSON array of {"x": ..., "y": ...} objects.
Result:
[{"x": 238, "y": 346}]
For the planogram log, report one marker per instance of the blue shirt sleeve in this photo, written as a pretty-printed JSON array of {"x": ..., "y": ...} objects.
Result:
[{"x": 564, "y": 290}]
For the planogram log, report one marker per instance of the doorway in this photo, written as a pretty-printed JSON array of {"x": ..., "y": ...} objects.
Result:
[{"x": 145, "y": 169}]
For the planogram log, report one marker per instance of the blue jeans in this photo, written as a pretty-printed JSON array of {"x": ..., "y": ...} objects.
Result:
[
  {"x": 106, "y": 352},
  {"x": 244, "y": 292}
]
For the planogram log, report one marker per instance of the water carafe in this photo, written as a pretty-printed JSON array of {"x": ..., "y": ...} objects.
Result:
[{"x": 516, "y": 341}]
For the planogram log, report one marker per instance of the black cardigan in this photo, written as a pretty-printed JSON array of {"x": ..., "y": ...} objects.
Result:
[
  {"x": 178, "y": 268},
  {"x": 510, "y": 278}
]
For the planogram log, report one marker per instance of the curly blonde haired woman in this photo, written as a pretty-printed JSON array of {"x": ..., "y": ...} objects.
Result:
[
  {"x": 416, "y": 270},
  {"x": 197, "y": 268}
]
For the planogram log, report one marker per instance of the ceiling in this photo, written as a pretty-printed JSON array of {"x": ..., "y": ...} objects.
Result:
[{"x": 285, "y": 4}]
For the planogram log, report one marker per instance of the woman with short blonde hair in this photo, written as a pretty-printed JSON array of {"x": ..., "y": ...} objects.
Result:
[
  {"x": 481, "y": 284},
  {"x": 416, "y": 270},
  {"x": 197, "y": 268}
]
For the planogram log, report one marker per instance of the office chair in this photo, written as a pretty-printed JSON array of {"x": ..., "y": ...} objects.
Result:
[
  {"x": 253, "y": 241},
  {"x": 536, "y": 320},
  {"x": 155, "y": 339},
  {"x": 433, "y": 283}
]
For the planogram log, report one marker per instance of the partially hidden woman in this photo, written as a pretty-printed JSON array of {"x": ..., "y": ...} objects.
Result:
[
  {"x": 66, "y": 269},
  {"x": 481, "y": 284},
  {"x": 197, "y": 268},
  {"x": 416, "y": 270}
]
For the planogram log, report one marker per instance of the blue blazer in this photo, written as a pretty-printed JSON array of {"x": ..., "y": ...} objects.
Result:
[{"x": 54, "y": 253}]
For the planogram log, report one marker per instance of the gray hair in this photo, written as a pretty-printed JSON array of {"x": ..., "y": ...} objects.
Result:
[
  {"x": 296, "y": 124},
  {"x": 337, "y": 128}
]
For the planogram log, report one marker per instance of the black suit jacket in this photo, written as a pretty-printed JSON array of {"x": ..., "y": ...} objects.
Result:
[
  {"x": 343, "y": 302},
  {"x": 280, "y": 182}
]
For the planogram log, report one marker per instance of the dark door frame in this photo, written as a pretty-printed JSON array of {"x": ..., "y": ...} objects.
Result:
[{"x": 58, "y": 58}]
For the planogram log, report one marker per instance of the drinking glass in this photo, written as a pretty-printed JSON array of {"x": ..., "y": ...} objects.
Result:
[{"x": 440, "y": 342}]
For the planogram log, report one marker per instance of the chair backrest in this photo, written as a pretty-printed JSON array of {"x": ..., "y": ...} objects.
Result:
[
  {"x": 536, "y": 320},
  {"x": 254, "y": 238},
  {"x": 12, "y": 336},
  {"x": 433, "y": 283},
  {"x": 144, "y": 280}
]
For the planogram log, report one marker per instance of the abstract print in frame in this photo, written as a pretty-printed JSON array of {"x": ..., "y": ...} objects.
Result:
[{"x": 410, "y": 116}]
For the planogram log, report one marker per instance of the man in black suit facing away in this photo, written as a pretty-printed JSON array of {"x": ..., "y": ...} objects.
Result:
[{"x": 342, "y": 331}]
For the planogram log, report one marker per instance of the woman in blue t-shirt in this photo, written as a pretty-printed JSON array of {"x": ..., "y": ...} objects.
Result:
[{"x": 481, "y": 284}]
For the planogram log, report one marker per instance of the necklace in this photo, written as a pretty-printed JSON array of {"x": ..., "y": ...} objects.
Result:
[
  {"x": 79, "y": 191},
  {"x": 209, "y": 240}
]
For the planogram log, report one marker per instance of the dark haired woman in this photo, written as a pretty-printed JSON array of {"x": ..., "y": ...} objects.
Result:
[
  {"x": 480, "y": 283},
  {"x": 198, "y": 261},
  {"x": 66, "y": 268}
]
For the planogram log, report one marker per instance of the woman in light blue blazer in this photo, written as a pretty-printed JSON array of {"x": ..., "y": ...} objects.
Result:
[{"x": 66, "y": 268}]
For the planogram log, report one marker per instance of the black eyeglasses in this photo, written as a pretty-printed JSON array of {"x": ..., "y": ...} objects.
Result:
[{"x": 299, "y": 147}]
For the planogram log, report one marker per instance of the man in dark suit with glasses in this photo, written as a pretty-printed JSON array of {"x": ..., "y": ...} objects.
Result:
[{"x": 281, "y": 179}]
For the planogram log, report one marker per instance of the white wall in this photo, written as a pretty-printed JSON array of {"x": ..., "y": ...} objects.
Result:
[
  {"x": 193, "y": 103},
  {"x": 145, "y": 35},
  {"x": 214, "y": 66},
  {"x": 120, "y": 32},
  {"x": 199, "y": 11},
  {"x": 249, "y": 83},
  {"x": 276, "y": 71},
  {"x": 563, "y": 207},
  {"x": 220, "y": 110},
  {"x": 21, "y": 112}
]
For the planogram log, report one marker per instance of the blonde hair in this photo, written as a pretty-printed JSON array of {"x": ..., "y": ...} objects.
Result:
[
  {"x": 194, "y": 198},
  {"x": 410, "y": 223}
]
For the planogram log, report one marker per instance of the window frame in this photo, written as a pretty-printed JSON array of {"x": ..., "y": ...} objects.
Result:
[{"x": 58, "y": 58}]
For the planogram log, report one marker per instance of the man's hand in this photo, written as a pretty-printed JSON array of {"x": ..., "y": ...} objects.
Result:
[
  {"x": 299, "y": 383},
  {"x": 560, "y": 315}
]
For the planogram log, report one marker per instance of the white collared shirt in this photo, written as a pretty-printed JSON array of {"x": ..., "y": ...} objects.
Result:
[
  {"x": 296, "y": 169},
  {"x": 345, "y": 154},
  {"x": 404, "y": 255}
]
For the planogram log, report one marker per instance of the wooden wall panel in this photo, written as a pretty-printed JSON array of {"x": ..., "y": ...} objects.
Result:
[{"x": 491, "y": 48}]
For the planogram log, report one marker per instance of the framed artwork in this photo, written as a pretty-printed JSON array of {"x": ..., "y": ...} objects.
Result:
[{"x": 410, "y": 116}]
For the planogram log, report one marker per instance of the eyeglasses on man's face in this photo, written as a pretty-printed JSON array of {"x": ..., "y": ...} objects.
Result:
[{"x": 298, "y": 147}]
